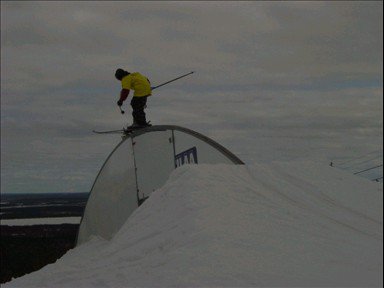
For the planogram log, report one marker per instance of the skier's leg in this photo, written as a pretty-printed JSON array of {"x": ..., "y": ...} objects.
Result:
[{"x": 138, "y": 114}]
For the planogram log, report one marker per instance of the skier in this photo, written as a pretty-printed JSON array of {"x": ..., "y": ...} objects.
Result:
[{"x": 142, "y": 87}]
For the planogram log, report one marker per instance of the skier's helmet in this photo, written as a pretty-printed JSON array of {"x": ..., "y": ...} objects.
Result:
[{"x": 120, "y": 73}]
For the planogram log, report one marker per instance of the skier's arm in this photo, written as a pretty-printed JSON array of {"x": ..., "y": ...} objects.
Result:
[{"x": 123, "y": 96}]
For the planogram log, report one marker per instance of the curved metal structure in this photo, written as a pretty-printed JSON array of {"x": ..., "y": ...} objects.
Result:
[
  {"x": 140, "y": 164},
  {"x": 202, "y": 137}
]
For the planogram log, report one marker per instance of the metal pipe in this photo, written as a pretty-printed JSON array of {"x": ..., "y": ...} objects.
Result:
[{"x": 153, "y": 88}]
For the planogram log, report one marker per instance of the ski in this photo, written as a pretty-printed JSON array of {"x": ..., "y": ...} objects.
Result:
[
  {"x": 127, "y": 130},
  {"x": 109, "y": 132}
]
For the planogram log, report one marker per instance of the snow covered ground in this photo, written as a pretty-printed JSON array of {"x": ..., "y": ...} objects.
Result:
[{"x": 277, "y": 224}]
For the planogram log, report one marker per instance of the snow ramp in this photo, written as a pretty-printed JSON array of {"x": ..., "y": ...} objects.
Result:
[
  {"x": 140, "y": 164},
  {"x": 295, "y": 224}
]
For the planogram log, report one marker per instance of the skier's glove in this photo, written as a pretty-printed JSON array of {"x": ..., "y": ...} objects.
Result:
[{"x": 119, "y": 103}]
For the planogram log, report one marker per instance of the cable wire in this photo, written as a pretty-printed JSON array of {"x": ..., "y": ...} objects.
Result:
[
  {"x": 363, "y": 162},
  {"x": 359, "y": 157},
  {"x": 368, "y": 169}
]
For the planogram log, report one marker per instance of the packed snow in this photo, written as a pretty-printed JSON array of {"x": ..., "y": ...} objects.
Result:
[{"x": 276, "y": 224}]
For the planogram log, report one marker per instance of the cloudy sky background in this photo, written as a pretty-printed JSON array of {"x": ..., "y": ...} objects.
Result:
[{"x": 273, "y": 81}]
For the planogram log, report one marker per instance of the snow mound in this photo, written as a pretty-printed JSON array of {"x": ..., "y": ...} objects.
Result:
[{"x": 279, "y": 224}]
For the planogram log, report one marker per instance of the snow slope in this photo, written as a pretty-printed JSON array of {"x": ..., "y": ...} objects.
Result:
[{"x": 278, "y": 224}]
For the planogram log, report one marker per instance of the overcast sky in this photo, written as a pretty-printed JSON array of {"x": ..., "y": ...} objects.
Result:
[{"x": 274, "y": 81}]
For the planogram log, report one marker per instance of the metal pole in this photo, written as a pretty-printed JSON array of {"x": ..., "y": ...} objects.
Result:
[{"x": 153, "y": 88}]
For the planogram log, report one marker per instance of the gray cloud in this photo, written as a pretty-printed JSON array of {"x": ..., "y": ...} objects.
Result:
[{"x": 288, "y": 79}]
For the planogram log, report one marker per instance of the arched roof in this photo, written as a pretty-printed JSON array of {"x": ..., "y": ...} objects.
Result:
[
  {"x": 138, "y": 165},
  {"x": 198, "y": 135}
]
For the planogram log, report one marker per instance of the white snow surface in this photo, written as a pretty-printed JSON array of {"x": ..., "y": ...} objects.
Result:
[{"x": 276, "y": 224}]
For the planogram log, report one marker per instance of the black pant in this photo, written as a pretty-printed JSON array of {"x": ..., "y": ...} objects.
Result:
[{"x": 138, "y": 104}]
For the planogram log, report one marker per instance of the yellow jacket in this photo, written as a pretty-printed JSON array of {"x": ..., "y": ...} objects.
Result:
[{"x": 137, "y": 82}]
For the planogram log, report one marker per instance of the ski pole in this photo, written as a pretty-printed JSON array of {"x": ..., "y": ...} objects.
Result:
[{"x": 153, "y": 88}]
